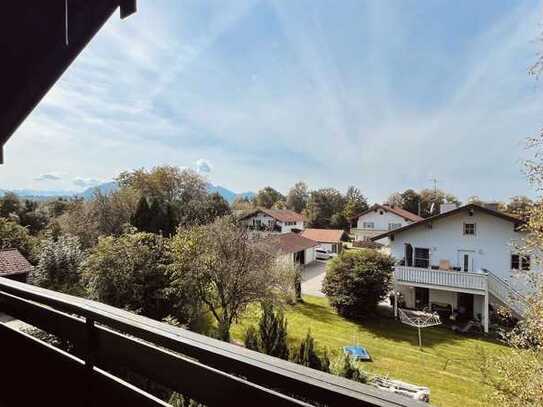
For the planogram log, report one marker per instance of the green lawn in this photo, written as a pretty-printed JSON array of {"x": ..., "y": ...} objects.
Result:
[{"x": 447, "y": 364}]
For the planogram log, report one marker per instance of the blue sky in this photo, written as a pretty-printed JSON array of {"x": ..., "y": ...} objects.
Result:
[{"x": 379, "y": 94}]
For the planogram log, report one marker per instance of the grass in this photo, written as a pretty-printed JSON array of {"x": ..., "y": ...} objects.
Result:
[{"x": 447, "y": 364}]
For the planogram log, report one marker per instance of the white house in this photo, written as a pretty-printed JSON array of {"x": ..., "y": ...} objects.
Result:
[
  {"x": 460, "y": 261},
  {"x": 294, "y": 248},
  {"x": 273, "y": 220},
  {"x": 380, "y": 219},
  {"x": 328, "y": 239}
]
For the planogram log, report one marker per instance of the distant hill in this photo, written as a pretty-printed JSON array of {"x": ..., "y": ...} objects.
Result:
[
  {"x": 109, "y": 187},
  {"x": 228, "y": 194}
]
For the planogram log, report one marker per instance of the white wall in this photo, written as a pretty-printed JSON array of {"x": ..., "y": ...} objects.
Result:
[
  {"x": 288, "y": 228},
  {"x": 381, "y": 220},
  {"x": 492, "y": 245},
  {"x": 310, "y": 255}
]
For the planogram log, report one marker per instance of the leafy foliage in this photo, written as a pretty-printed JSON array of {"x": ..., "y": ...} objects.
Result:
[
  {"x": 306, "y": 355},
  {"x": 344, "y": 366},
  {"x": 323, "y": 204},
  {"x": 297, "y": 197},
  {"x": 357, "y": 280},
  {"x": 227, "y": 270},
  {"x": 268, "y": 197},
  {"x": 130, "y": 271},
  {"x": 59, "y": 264},
  {"x": 14, "y": 236},
  {"x": 271, "y": 337}
]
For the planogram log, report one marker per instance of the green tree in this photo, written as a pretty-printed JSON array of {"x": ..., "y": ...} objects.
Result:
[
  {"x": 323, "y": 204},
  {"x": 267, "y": 197},
  {"x": 346, "y": 368},
  {"x": 130, "y": 271},
  {"x": 14, "y": 236},
  {"x": 227, "y": 270},
  {"x": 9, "y": 205},
  {"x": 59, "y": 264},
  {"x": 242, "y": 203},
  {"x": 142, "y": 216},
  {"x": 411, "y": 201},
  {"x": 272, "y": 332},
  {"x": 216, "y": 207},
  {"x": 297, "y": 197},
  {"x": 356, "y": 281},
  {"x": 306, "y": 355},
  {"x": 355, "y": 204},
  {"x": 251, "y": 339},
  {"x": 520, "y": 206}
]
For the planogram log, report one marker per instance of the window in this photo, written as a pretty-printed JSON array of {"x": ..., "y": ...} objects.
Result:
[
  {"x": 422, "y": 257},
  {"x": 520, "y": 262},
  {"x": 368, "y": 225},
  {"x": 392, "y": 226},
  {"x": 469, "y": 229}
]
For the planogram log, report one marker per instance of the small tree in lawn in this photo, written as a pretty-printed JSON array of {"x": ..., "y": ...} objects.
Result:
[
  {"x": 227, "y": 269},
  {"x": 344, "y": 366},
  {"x": 271, "y": 337},
  {"x": 356, "y": 281},
  {"x": 306, "y": 355}
]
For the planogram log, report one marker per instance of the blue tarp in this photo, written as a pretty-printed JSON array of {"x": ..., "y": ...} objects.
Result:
[{"x": 357, "y": 352}]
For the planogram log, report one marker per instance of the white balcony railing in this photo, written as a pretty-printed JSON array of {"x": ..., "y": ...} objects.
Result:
[{"x": 456, "y": 279}]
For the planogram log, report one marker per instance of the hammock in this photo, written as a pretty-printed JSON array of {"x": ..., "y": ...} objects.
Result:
[{"x": 419, "y": 319}]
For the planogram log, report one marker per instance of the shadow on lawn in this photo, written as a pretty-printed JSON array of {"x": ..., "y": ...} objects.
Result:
[{"x": 318, "y": 312}]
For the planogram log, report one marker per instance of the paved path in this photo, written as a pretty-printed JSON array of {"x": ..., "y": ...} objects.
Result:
[{"x": 312, "y": 277}]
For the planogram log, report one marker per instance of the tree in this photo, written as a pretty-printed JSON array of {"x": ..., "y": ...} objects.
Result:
[
  {"x": 356, "y": 281},
  {"x": 431, "y": 201},
  {"x": 216, "y": 207},
  {"x": 519, "y": 206},
  {"x": 267, "y": 197},
  {"x": 242, "y": 203},
  {"x": 395, "y": 199},
  {"x": 14, "y": 236},
  {"x": 130, "y": 271},
  {"x": 271, "y": 337},
  {"x": 297, "y": 197},
  {"x": 142, "y": 216},
  {"x": 411, "y": 201},
  {"x": 59, "y": 264},
  {"x": 306, "y": 355},
  {"x": 9, "y": 205},
  {"x": 322, "y": 205},
  {"x": 227, "y": 270},
  {"x": 356, "y": 203}
]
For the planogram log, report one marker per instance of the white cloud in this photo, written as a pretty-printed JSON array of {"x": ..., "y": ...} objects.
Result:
[
  {"x": 51, "y": 176},
  {"x": 86, "y": 182},
  {"x": 203, "y": 166}
]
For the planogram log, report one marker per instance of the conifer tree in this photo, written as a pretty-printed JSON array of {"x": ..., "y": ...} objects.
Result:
[{"x": 272, "y": 330}]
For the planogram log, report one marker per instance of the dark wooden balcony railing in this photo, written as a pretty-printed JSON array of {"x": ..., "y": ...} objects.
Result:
[{"x": 100, "y": 336}]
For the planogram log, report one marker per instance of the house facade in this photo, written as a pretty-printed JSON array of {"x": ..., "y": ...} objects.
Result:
[
  {"x": 460, "y": 262},
  {"x": 273, "y": 220},
  {"x": 293, "y": 248},
  {"x": 328, "y": 239},
  {"x": 380, "y": 219}
]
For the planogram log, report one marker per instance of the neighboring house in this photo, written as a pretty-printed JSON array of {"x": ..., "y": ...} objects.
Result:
[
  {"x": 459, "y": 261},
  {"x": 294, "y": 248},
  {"x": 13, "y": 265},
  {"x": 328, "y": 239},
  {"x": 380, "y": 219},
  {"x": 273, "y": 220}
]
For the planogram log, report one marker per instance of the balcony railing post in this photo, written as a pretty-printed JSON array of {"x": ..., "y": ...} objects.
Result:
[{"x": 90, "y": 357}]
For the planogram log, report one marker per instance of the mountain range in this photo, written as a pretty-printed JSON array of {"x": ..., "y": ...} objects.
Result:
[{"x": 107, "y": 188}]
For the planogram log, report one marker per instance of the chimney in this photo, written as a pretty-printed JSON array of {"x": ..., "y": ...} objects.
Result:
[
  {"x": 447, "y": 207},
  {"x": 493, "y": 206}
]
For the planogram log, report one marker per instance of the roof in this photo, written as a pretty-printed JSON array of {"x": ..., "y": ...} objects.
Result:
[
  {"x": 290, "y": 242},
  {"x": 468, "y": 207},
  {"x": 408, "y": 216},
  {"x": 39, "y": 40},
  {"x": 281, "y": 215},
  {"x": 13, "y": 262},
  {"x": 324, "y": 235}
]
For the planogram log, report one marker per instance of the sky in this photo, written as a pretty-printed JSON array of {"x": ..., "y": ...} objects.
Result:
[{"x": 378, "y": 94}]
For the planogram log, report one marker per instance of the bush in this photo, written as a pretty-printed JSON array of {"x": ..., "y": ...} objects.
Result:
[
  {"x": 344, "y": 366},
  {"x": 59, "y": 265},
  {"x": 357, "y": 280},
  {"x": 14, "y": 236}
]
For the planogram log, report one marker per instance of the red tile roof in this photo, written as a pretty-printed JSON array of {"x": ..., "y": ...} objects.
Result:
[
  {"x": 324, "y": 235},
  {"x": 393, "y": 209},
  {"x": 13, "y": 262},
  {"x": 290, "y": 242},
  {"x": 281, "y": 215}
]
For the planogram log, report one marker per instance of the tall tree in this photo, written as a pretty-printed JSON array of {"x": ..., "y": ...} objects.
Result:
[
  {"x": 411, "y": 201},
  {"x": 9, "y": 205},
  {"x": 267, "y": 197},
  {"x": 227, "y": 270},
  {"x": 323, "y": 204},
  {"x": 356, "y": 203},
  {"x": 306, "y": 355},
  {"x": 242, "y": 203},
  {"x": 520, "y": 206},
  {"x": 14, "y": 236},
  {"x": 297, "y": 197}
]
